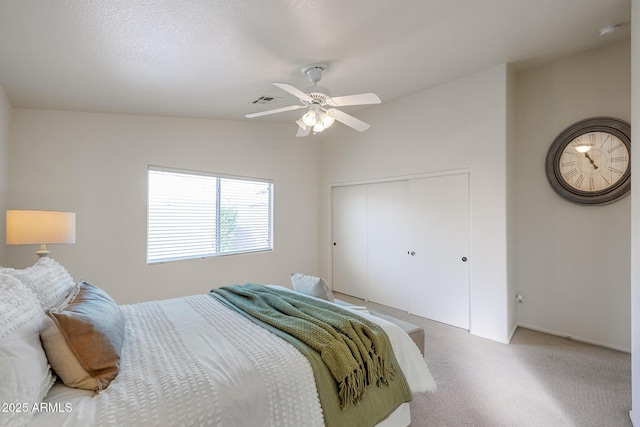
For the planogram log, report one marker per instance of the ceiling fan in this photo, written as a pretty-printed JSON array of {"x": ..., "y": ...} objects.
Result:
[{"x": 321, "y": 111}]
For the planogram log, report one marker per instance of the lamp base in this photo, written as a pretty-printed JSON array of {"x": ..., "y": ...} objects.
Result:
[{"x": 43, "y": 251}]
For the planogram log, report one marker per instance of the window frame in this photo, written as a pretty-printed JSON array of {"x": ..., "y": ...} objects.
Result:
[{"x": 218, "y": 177}]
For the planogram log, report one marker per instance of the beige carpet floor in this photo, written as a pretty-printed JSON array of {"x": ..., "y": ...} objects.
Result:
[{"x": 538, "y": 380}]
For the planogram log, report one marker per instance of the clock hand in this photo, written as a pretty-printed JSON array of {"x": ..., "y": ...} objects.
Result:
[{"x": 591, "y": 160}]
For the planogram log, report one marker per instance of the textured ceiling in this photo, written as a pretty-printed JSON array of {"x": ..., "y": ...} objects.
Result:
[{"x": 205, "y": 58}]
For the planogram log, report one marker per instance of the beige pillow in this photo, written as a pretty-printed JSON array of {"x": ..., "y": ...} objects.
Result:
[{"x": 83, "y": 338}]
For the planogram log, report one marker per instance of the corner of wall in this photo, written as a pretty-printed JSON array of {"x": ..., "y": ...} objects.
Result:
[
  {"x": 5, "y": 120},
  {"x": 635, "y": 216},
  {"x": 511, "y": 199}
]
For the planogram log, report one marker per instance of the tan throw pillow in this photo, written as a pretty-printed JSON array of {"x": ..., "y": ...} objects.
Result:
[{"x": 83, "y": 338}]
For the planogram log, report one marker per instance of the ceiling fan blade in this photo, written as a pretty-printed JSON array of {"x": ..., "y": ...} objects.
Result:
[
  {"x": 348, "y": 120},
  {"x": 293, "y": 91},
  {"x": 277, "y": 110},
  {"x": 303, "y": 130},
  {"x": 360, "y": 99}
]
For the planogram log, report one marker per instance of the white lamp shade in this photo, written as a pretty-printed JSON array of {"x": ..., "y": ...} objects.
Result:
[{"x": 25, "y": 227}]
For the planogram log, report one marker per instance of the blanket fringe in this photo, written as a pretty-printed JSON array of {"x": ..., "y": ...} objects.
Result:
[{"x": 352, "y": 387}]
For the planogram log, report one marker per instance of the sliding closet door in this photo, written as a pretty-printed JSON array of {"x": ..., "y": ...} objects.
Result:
[
  {"x": 350, "y": 240},
  {"x": 388, "y": 243},
  {"x": 440, "y": 243}
]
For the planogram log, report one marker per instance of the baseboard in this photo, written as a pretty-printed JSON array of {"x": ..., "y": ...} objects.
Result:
[
  {"x": 490, "y": 337},
  {"x": 573, "y": 337},
  {"x": 513, "y": 331}
]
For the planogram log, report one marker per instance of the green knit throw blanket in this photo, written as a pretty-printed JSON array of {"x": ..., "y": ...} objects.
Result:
[{"x": 353, "y": 348}]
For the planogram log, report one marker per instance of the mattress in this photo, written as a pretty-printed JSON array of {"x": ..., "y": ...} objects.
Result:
[{"x": 194, "y": 361}]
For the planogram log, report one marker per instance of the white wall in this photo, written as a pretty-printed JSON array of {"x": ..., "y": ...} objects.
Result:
[
  {"x": 5, "y": 120},
  {"x": 635, "y": 214},
  {"x": 573, "y": 262},
  {"x": 458, "y": 125},
  {"x": 96, "y": 166}
]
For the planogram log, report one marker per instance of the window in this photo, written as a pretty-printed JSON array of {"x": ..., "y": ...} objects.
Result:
[{"x": 196, "y": 215}]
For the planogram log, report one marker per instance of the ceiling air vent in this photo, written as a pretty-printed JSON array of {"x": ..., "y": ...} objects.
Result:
[{"x": 264, "y": 100}]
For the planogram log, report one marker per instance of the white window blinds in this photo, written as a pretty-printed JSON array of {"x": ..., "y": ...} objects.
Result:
[{"x": 196, "y": 215}]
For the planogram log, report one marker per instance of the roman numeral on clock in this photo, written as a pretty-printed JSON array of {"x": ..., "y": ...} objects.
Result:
[
  {"x": 614, "y": 148},
  {"x": 619, "y": 172},
  {"x": 573, "y": 172},
  {"x": 619, "y": 159}
]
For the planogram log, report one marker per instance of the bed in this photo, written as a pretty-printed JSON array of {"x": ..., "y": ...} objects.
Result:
[{"x": 194, "y": 360}]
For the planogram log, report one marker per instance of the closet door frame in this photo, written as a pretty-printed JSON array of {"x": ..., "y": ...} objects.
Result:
[{"x": 400, "y": 178}]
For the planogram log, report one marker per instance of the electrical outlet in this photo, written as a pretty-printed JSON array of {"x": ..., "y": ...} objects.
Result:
[{"x": 519, "y": 298}]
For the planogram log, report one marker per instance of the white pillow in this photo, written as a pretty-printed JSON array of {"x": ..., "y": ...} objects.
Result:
[
  {"x": 18, "y": 305},
  {"x": 313, "y": 286},
  {"x": 49, "y": 280},
  {"x": 25, "y": 376}
]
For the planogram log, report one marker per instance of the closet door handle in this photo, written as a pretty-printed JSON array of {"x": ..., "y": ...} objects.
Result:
[
  {"x": 464, "y": 259},
  {"x": 412, "y": 253}
]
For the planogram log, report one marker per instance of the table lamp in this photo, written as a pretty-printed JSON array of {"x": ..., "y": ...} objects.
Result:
[{"x": 29, "y": 227}]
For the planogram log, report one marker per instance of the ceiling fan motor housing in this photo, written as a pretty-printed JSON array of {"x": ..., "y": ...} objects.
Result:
[
  {"x": 314, "y": 71},
  {"x": 318, "y": 94}
]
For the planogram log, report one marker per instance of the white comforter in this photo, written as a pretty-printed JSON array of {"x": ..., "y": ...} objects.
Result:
[{"x": 193, "y": 361}]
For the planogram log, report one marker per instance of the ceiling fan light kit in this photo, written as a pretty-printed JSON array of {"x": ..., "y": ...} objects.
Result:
[
  {"x": 310, "y": 118},
  {"x": 327, "y": 120},
  {"x": 321, "y": 112}
]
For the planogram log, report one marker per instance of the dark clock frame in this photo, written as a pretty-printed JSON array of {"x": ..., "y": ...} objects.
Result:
[{"x": 620, "y": 189}]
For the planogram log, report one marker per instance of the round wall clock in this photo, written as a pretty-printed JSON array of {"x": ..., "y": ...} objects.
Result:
[{"x": 590, "y": 161}]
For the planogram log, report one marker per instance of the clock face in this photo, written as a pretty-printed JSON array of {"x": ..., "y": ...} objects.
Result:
[
  {"x": 589, "y": 162},
  {"x": 594, "y": 161}
]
